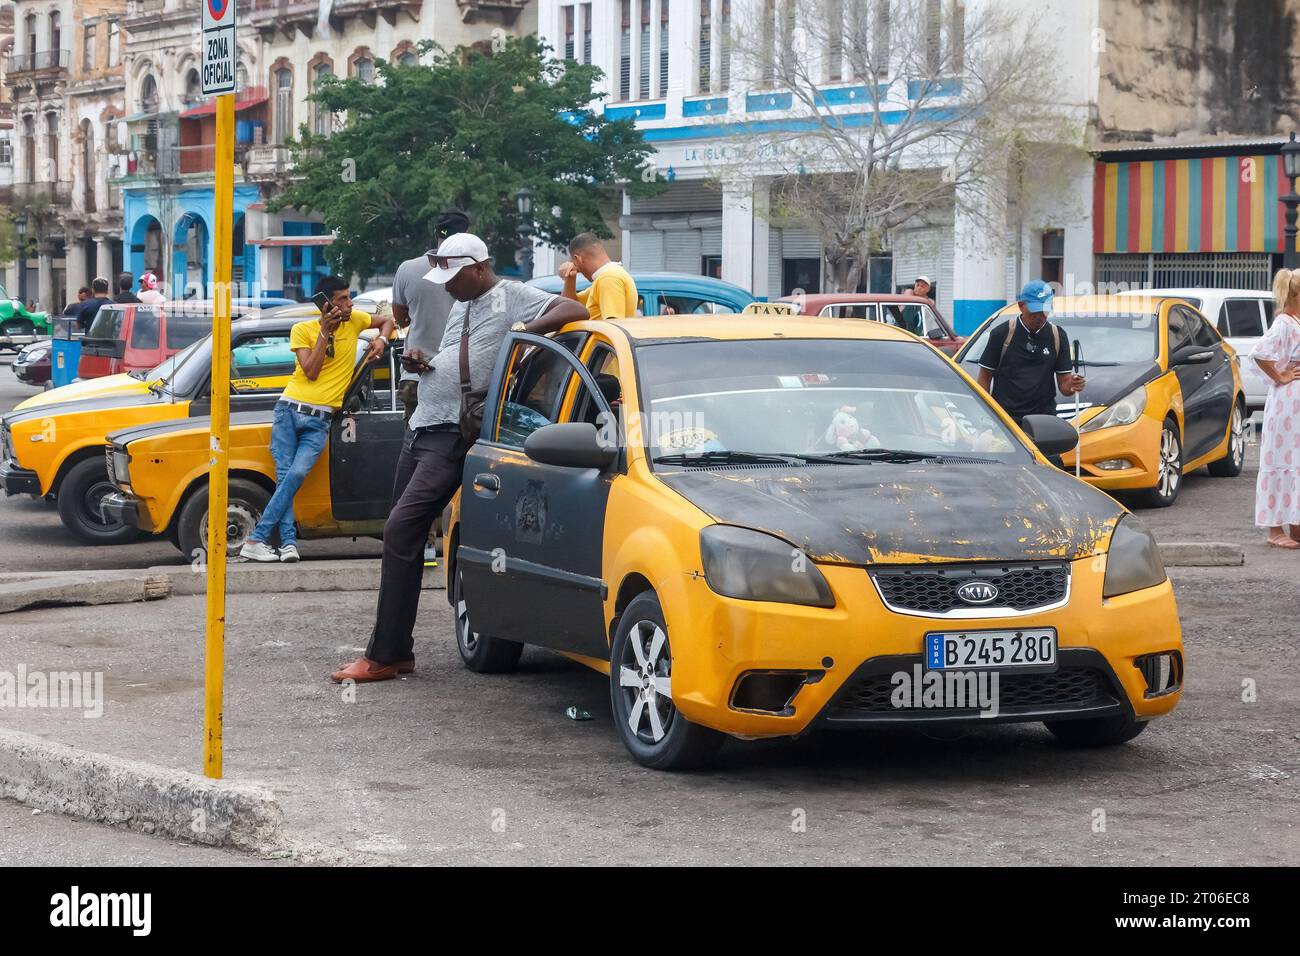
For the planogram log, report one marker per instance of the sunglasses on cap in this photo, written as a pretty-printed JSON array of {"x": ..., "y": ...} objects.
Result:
[{"x": 452, "y": 262}]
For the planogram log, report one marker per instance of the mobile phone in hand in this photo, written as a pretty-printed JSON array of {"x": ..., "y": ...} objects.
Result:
[
  {"x": 322, "y": 301},
  {"x": 411, "y": 363}
]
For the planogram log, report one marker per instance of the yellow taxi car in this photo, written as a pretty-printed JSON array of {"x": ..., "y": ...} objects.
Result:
[
  {"x": 758, "y": 526},
  {"x": 159, "y": 470},
  {"x": 1164, "y": 394},
  {"x": 57, "y": 448}
]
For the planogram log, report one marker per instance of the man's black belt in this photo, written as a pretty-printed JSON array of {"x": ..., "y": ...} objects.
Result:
[
  {"x": 439, "y": 427},
  {"x": 311, "y": 410}
]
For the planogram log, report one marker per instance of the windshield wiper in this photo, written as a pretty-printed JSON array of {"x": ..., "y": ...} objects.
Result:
[
  {"x": 884, "y": 454},
  {"x": 727, "y": 458},
  {"x": 155, "y": 388},
  {"x": 1100, "y": 364},
  {"x": 136, "y": 374}
]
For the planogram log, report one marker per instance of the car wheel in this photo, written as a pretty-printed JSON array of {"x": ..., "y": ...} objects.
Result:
[
  {"x": 1229, "y": 466},
  {"x": 641, "y": 695},
  {"x": 1096, "y": 731},
  {"x": 481, "y": 654},
  {"x": 80, "y": 495},
  {"x": 1169, "y": 470},
  {"x": 245, "y": 503}
]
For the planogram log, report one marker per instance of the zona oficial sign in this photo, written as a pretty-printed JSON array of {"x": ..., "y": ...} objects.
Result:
[{"x": 219, "y": 51}]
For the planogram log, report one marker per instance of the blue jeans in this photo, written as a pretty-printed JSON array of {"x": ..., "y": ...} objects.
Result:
[{"x": 296, "y": 442}]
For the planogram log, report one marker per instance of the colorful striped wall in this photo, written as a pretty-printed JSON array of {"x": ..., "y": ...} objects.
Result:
[{"x": 1221, "y": 204}]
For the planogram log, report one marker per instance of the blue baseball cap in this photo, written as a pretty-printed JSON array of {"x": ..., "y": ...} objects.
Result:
[{"x": 1037, "y": 296}]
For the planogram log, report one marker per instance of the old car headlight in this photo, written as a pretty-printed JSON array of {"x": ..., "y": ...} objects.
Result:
[
  {"x": 1133, "y": 562},
  {"x": 6, "y": 444},
  {"x": 1124, "y": 412},
  {"x": 754, "y": 566},
  {"x": 121, "y": 466}
]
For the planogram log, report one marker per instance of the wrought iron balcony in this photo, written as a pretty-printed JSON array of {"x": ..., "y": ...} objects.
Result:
[{"x": 43, "y": 60}]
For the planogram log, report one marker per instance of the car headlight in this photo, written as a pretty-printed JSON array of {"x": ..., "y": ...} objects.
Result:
[
  {"x": 121, "y": 467},
  {"x": 35, "y": 355},
  {"x": 1124, "y": 412},
  {"x": 754, "y": 566},
  {"x": 1133, "y": 562},
  {"x": 6, "y": 444}
]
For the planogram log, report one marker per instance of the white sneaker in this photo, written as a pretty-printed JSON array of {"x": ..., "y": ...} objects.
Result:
[
  {"x": 258, "y": 551},
  {"x": 289, "y": 553}
]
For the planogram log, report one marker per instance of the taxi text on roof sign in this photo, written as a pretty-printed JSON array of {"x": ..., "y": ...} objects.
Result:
[
  {"x": 769, "y": 308},
  {"x": 219, "y": 51}
]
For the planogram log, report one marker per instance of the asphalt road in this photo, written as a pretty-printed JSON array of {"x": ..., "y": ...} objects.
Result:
[{"x": 451, "y": 767}]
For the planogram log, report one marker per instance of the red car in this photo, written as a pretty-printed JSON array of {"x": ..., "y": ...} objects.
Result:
[
  {"x": 135, "y": 336},
  {"x": 910, "y": 312}
]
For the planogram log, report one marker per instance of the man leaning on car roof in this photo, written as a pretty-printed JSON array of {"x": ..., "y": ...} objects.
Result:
[{"x": 325, "y": 349}]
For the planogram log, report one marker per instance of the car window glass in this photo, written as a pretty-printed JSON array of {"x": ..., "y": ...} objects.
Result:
[
  {"x": 603, "y": 364},
  {"x": 372, "y": 390},
  {"x": 144, "y": 329},
  {"x": 850, "y": 310},
  {"x": 907, "y": 317},
  {"x": 532, "y": 393},
  {"x": 1243, "y": 318},
  {"x": 262, "y": 357},
  {"x": 690, "y": 305},
  {"x": 1268, "y": 312},
  {"x": 186, "y": 329},
  {"x": 107, "y": 324},
  {"x": 1202, "y": 333},
  {"x": 1180, "y": 333}
]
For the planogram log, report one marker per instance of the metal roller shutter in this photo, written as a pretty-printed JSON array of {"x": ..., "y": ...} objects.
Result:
[
  {"x": 774, "y": 240},
  {"x": 800, "y": 244},
  {"x": 646, "y": 251},
  {"x": 681, "y": 197},
  {"x": 682, "y": 251},
  {"x": 711, "y": 241}
]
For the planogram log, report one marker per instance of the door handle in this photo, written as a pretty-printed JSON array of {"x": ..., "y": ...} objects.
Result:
[{"x": 486, "y": 485}]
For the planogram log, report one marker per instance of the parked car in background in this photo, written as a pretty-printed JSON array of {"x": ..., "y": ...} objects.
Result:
[
  {"x": 908, "y": 312},
  {"x": 672, "y": 293},
  {"x": 19, "y": 327},
  {"x": 372, "y": 299},
  {"x": 1163, "y": 394},
  {"x": 32, "y": 363},
  {"x": 1241, "y": 316}
]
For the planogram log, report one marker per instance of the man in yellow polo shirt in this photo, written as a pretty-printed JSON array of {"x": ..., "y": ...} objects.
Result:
[
  {"x": 612, "y": 293},
  {"x": 325, "y": 348}
]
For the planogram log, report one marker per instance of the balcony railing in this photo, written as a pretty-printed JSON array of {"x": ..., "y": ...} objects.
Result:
[
  {"x": 55, "y": 193},
  {"x": 44, "y": 60}
]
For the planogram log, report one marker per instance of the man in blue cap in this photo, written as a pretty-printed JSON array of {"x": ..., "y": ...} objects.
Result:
[{"x": 1027, "y": 359}]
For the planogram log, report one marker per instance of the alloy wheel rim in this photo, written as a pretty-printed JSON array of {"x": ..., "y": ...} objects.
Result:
[
  {"x": 645, "y": 683},
  {"x": 464, "y": 633},
  {"x": 1238, "y": 438},
  {"x": 1170, "y": 465}
]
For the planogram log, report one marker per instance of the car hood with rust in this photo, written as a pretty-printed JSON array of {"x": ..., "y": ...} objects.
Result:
[{"x": 882, "y": 513}]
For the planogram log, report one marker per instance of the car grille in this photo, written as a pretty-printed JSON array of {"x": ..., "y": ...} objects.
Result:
[
  {"x": 934, "y": 590},
  {"x": 1066, "y": 689}
]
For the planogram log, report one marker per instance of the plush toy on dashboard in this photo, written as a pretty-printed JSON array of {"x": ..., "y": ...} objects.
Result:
[{"x": 846, "y": 434}]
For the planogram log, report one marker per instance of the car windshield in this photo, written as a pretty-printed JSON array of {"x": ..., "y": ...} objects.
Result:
[
  {"x": 190, "y": 370},
  {"x": 107, "y": 324},
  {"x": 1113, "y": 339},
  {"x": 812, "y": 397}
]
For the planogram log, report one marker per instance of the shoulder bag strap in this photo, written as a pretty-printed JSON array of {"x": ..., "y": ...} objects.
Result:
[{"x": 464, "y": 353}]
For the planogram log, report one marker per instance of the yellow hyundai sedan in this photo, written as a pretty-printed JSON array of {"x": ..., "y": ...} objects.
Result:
[
  {"x": 761, "y": 526},
  {"x": 1164, "y": 394}
]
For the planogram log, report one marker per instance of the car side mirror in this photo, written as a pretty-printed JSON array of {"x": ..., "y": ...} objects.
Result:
[
  {"x": 1192, "y": 355},
  {"x": 1050, "y": 434},
  {"x": 570, "y": 445}
]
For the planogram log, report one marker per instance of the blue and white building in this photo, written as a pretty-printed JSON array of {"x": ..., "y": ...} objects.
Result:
[{"x": 668, "y": 64}]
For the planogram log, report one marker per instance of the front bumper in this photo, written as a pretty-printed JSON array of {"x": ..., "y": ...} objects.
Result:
[
  {"x": 1138, "y": 442},
  {"x": 845, "y": 647},
  {"x": 18, "y": 481},
  {"x": 121, "y": 506}
]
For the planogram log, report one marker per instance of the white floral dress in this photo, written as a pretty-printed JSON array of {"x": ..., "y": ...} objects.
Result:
[{"x": 1277, "y": 491}]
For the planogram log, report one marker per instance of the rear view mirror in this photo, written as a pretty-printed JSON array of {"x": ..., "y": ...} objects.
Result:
[
  {"x": 936, "y": 334},
  {"x": 569, "y": 445},
  {"x": 1050, "y": 434}
]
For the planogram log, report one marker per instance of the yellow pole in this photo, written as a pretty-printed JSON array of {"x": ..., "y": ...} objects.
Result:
[{"x": 219, "y": 471}]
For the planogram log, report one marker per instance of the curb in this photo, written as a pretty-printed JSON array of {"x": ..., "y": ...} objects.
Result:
[
  {"x": 140, "y": 796},
  {"x": 102, "y": 588},
  {"x": 255, "y": 578},
  {"x": 1201, "y": 554}
]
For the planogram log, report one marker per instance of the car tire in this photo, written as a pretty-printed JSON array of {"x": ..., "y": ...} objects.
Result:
[
  {"x": 78, "y": 500},
  {"x": 481, "y": 654},
  {"x": 1230, "y": 465},
  {"x": 1096, "y": 731},
  {"x": 640, "y": 690},
  {"x": 1169, "y": 471},
  {"x": 245, "y": 502}
]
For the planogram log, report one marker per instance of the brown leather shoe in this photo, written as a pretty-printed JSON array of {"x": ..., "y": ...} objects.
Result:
[
  {"x": 364, "y": 670},
  {"x": 406, "y": 667}
]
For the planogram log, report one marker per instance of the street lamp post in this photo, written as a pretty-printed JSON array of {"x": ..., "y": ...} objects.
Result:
[
  {"x": 20, "y": 227},
  {"x": 524, "y": 200},
  {"x": 1291, "y": 168}
]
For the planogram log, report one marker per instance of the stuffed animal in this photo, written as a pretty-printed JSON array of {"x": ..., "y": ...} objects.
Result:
[{"x": 846, "y": 434}]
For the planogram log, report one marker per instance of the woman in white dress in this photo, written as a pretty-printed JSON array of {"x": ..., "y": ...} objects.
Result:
[{"x": 1277, "y": 492}]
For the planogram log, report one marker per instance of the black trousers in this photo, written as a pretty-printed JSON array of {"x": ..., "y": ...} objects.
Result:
[{"x": 428, "y": 474}]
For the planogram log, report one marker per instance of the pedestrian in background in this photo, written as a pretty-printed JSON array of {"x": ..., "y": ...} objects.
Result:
[
  {"x": 149, "y": 293},
  {"x": 325, "y": 350},
  {"x": 1027, "y": 358},
  {"x": 922, "y": 287},
  {"x": 422, "y": 307},
  {"x": 442, "y": 431},
  {"x": 90, "y": 308},
  {"x": 612, "y": 293},
  {"x": 124, "y": 283},
  {"x": 1277, "y": 489}
]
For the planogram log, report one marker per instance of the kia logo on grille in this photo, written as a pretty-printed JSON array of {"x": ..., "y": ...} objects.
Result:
[{"x": 978, "y": 592}]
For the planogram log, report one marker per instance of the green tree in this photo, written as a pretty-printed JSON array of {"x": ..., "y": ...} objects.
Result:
[
  {"x": 8, "y": 237},
  {"x": 467, "y": 131}
]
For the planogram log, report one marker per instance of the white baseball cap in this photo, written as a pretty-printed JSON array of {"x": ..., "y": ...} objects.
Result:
[
  {"x": 455, "y": 253},
  {"x": 925, "y": 279}
]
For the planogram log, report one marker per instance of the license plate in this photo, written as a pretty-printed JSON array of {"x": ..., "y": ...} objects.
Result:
[{"x": 987, "y": 650}]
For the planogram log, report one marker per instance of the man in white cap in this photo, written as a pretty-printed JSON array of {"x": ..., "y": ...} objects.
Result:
[
  {"x": 922, "y": 287},
  {"x": 433, "y": 454}
]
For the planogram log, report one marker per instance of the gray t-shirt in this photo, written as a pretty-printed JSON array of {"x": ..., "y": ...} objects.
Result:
[
  {"x": 490, "y": 318},
  {"x": 428, "y": 303}
]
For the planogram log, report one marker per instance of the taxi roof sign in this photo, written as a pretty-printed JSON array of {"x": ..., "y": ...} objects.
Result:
[{"x": 769, "y": 308}]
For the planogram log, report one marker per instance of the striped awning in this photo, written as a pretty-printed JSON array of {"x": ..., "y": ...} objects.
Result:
[{"x": 1214, "y": 204}]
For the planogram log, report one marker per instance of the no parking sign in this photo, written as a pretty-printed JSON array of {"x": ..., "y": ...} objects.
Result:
[{"x": 219, "y": 52}]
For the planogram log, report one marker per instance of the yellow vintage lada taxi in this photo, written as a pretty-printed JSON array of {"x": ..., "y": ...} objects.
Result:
[{"x": 755, "y": 526}]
